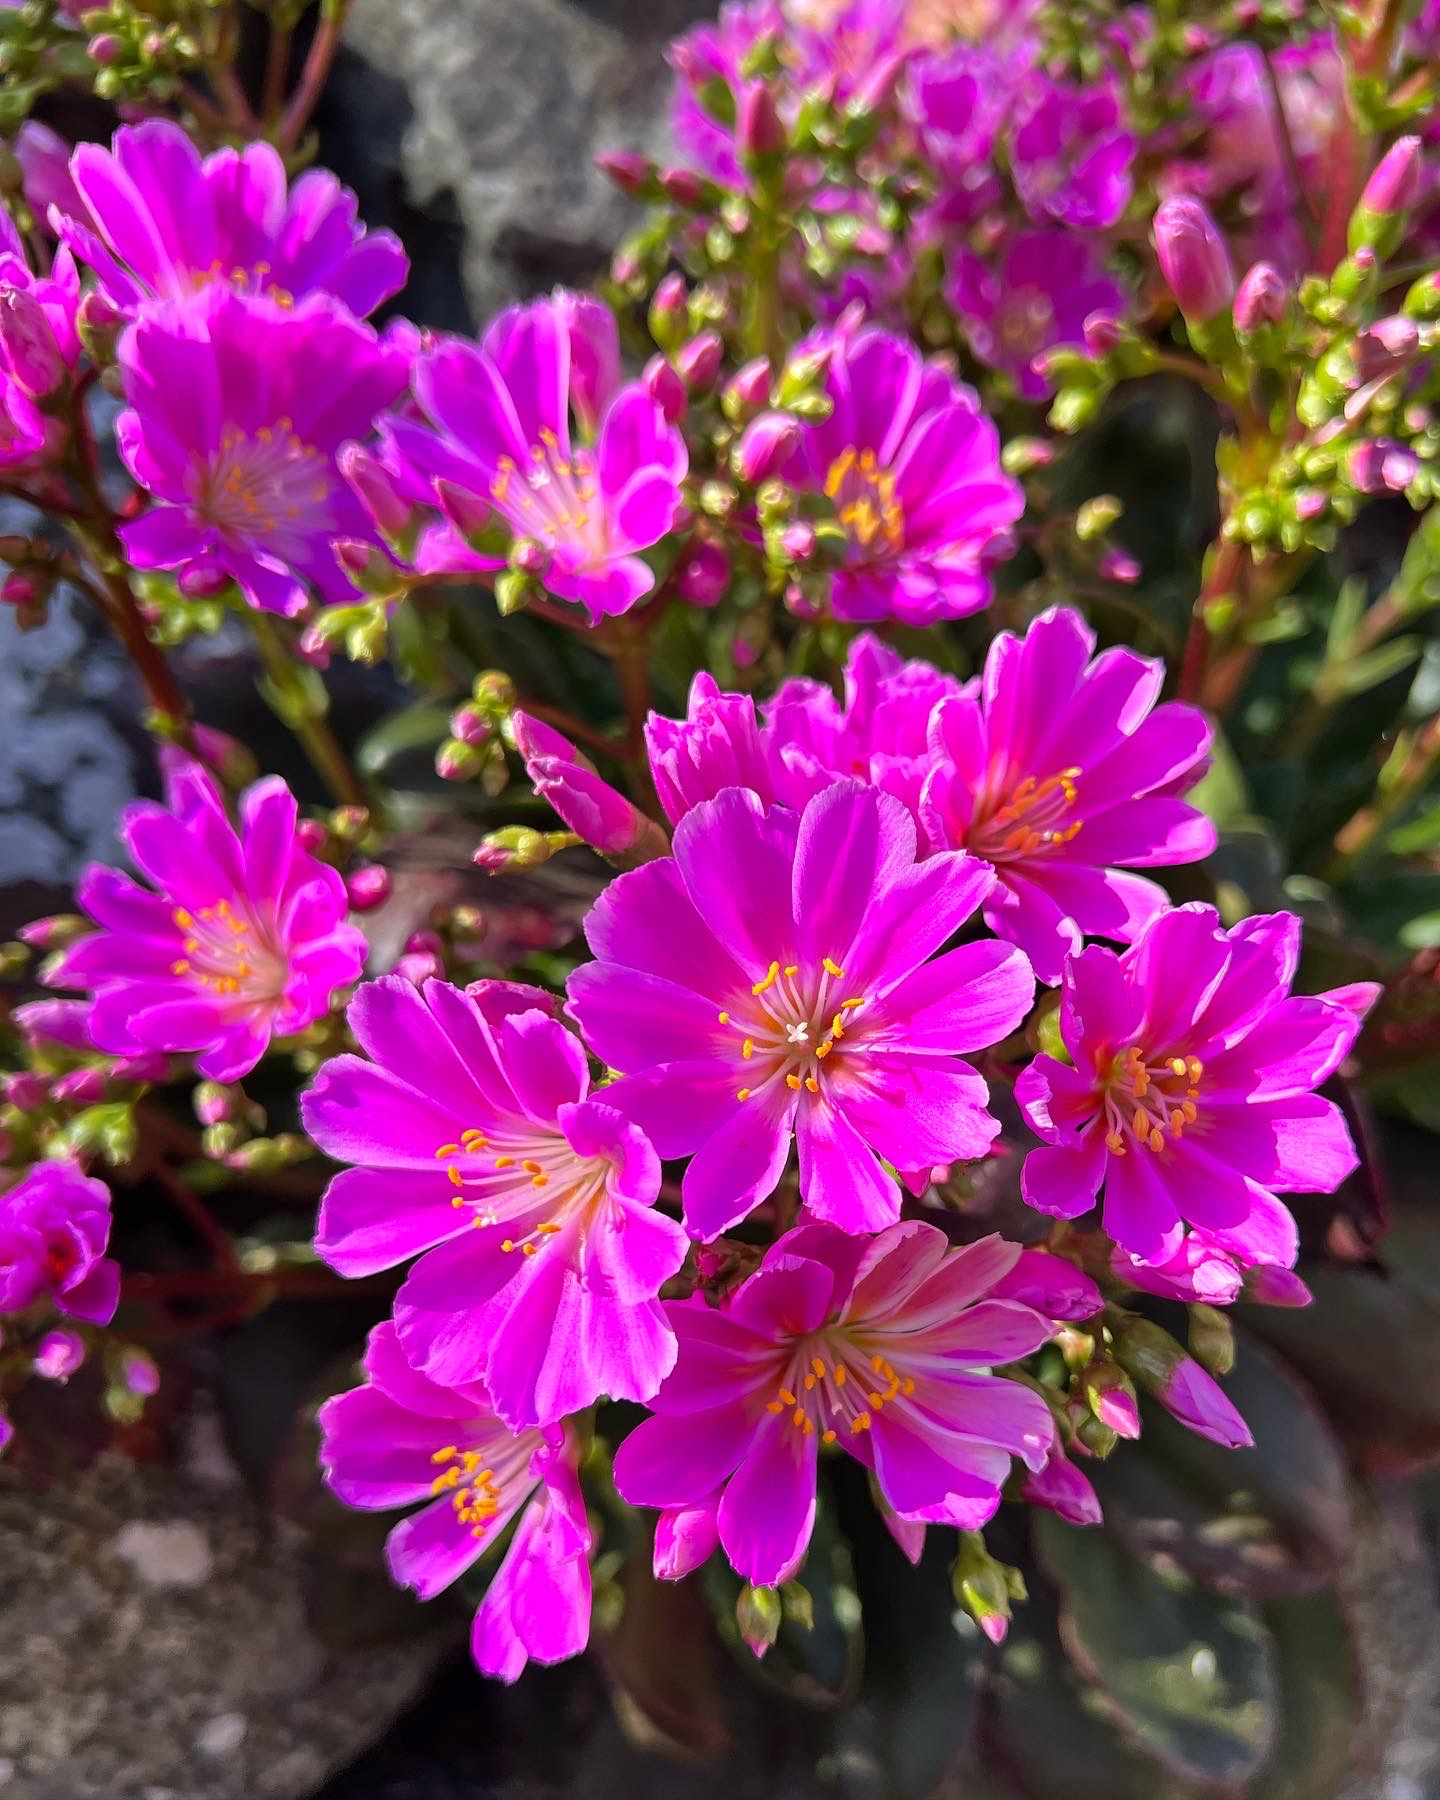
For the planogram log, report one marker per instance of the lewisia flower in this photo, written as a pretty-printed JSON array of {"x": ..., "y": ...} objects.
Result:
[
  {"x": 402, "y": 1439},
  {"x": 157, "y": 223},
  {"x": 238, "y": 408},
  {"x": 710, "y": 53},
  {"x": 39, "y": 345},
  {"x": 245, "y": 938},
  {"x": 773, "y": 980},
  {"x": 54, "y": 1227},
  {"x": 593, "y": 810},
  {"x": 1034, "y": 294},
  {"x": 878, "y": 731},
  {"x": 477, "y": 1143},
  {"x": 883, "y": 1348},
  {"x": 1071, "y": 153},
  {"x": 716, "y": 745},
  {"x": 1189, "y": 1098},
  {"x": 499, "y": 442},
  {"x": 1056, "y": 770},
  {"x": 912, "y": 467}
]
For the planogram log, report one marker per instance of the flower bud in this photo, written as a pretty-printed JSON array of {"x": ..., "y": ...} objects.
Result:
[
  {"x": 766, "y": 445},
  {"x": 1212, "y": 1341},
  {"x": 1394, "y": 185},
  {"x": 457, "y": 761},
  {"x": 685, "y": 1538},
  {"x": 665, "y": 387},
  {"x": 747, "y": 389},
  {"x": 1111, "y": 1397},
  {"x": 63, "y": 1023},
  {"x": 1160, "y": 1368},
  {"x": 214, "y": 1103},
  {"x": 1381, "y": 466},
  {"x": 1261, "y": 298},
  {"x": 1120, "y": 566},
  {"x": 1062, "y": 1489},
  {"x": 632, "y": 174},
  {"x": 669, "y": 312},
  {"x": 58, "y": 1355},
  {"x": 759, "y": 130},
  {"x": 1275, "y": 1287},
  {"x": 685, "y": 188},
  {"x": 311, "y": 835},
  {"x": 368, "y": 887},
  {"x": 79, "y": 1087},
  {"x": 697, "y": 361},
  {"x": 512, "y": 851},
  {"x": 979, "y": 1585},
  {"x": 1102, "y": 331},
  {"x": 703, "y": 573},
  {"x": 26, "y": 1090},
  {"x": 594, "y": 811},
  {"x": 105, "y": 48},
  {"x": 376, "y": 489},
  {"x": 28, "y": 343},
  {"x": 469, "y": 724},
  {"x": 138, "y": 1373},
  {"x": 758, "y": 1613},
  {"x": 1194, "y": 259}
]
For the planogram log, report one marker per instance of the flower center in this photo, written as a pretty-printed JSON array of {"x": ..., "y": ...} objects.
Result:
[
  {"x": 865, "y": 504},
  {"x": 789, "y": 1023},
  {"x": 476, "y": 1479},
  {"x": 1148, "y": 1102},
  {"x": 59, "y": 1261},
  {"x": 269, "y": 486},
  {"x": 228, "y": 955},
  {"x": 245, "y": 278},
  {"x": 1032, "y": 819},
  {"x": 832, "y": 1386},
  {"x": 533, "y": 1185},
  {"x": 553, "y": 498}
]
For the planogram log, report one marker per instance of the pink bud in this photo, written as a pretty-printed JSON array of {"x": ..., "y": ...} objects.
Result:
[
  {"x": 1380, "y": 466},
  {"x": 28, "y": 343},
  {"x": 684, "y": 187},
  {"x": 685, "y": 1537},
  {"x": 1061, "y": 1488},
  {"x": 65, "y": 1023},
  {"x": 703, "y": 573},
  {"x": 1198, "y": 1401},
  {"x": 1394, "y": 186},
  {"x": 744, "y": 654},
  {"x": 105, "y": 48},
  {"x": 1310, "y": 503},
  {"x": 7, "y": 1431},
  {"x": 529, "y": 556},
  {"x": 533, "y": 737},
  {"x": 766, "y": 445},
  {"x": 697, "y": 361},
  {"x": 630, "y": 172},
  {"x": 54, "y": 932},
  {"x": 759, "y": 130},
  {"x": 1276, "y": 1287},
  {"x": 670, "y": 300},
  {"x": 80, "y": 1087},
  {"x": 1384, "y": 346},
  {"x": 418, "y": 967},
  {"x": 26, "y": 1090},
  {"x": 20, "y": 589},
  {"x": 312, "y": 835},
  {"x": 376, "y": 489},
  {"x": 58, "y": 1355},
  {"x": 665, "y": 388},
  {"x": 149, "y": 1066},
  {"x": 311, "y": 648},
  {"x": 98, "y": 312},
  {"x": 470, "y": 725},
  {"x": 749, "y": 386},
  {"x": 1102, "y": 331},
  {"x": 202, "y": 580},
  {"x": 1194, "y": 259},
  {"x": 368, "y": 887},
  {"x": 1118, "y": 1410},
  {"x": 1261, "y": 298},
  {"x": 138, "y": 1373},
  {"x": 1119, "y": 565},
  {"x": 798, "y": 540}
]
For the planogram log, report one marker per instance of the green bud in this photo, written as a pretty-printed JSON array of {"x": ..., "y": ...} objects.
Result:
[
  {"x": 1047, "y": 1033},
  {"x": 1023, "y": 455},
  {"x": 1096, "y": 517},
  {"x": 516, "y": 849},
  {"x": 514, "y": 590},
  {"x": 979, "y": 1584},
  {"x": 798, "y": 1606},
  {"x": 1074, "y": 407},
  {"x": 1212, "y": 1339},
  {"x": 758, "y": 1613}
]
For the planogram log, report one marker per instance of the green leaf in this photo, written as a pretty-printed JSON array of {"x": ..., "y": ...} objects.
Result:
[
  {"x": 1190, "y": 1673},
  {"x": 1368, "y": 671},
  {"x": 1274, "y": 1519},
  {"x": 1320, "y": 1701}
]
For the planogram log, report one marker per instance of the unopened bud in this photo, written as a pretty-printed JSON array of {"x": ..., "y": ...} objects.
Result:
[
  {"x": 214, "y": 1103},
  {"x": 58, "y": 1355},
  {"x": 759, "y": 130},
  {"x": 1378, "y": 222},
  {"x": 1194, "y": 259},
  {"x": 747, "y": 389},
  {"x": 702, "y": 573},
  {"x": 1380, "y": 466},
  {"x": 512, "y": 851},
  {"x": 663, "y": 384},
  {"x": 1212, "y": 1341},
  {"x": 1160, "y": 1368},
  {"x": 28, "y": 343},
  {"x": 632, "y": 174},
  {"x": 979, "y": 1585},
  {"x": 697, "y": 361},
  {"x": 1111, "y": 1398},
  {"x": 376, "y": 489},
  {"x": 669, "y": 316},
  {"x": 1102, "y": 331},
  {"x": 685, "y": 188},
  {"x": 758, "y": 1613},
  {"x": 368, "y": 887},
  {"x": 766, "y": 445},
  {"x": 1261, "y": 299},
  {"x": 1096, "y": 517}
]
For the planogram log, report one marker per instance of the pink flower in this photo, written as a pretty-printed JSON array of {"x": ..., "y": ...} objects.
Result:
[
  {"x": 883, "y": 1348},
  {"x": 402, "y": 1439},
  {"x": 592, "y": 809},
  {"x": 1054, "y": 769},
  {"x": 773, "y": 980},
  {"x": 243, "y": 940},
  {"x": 155, "y": 222},
  {"x": 54, "y": 1227},
  {"x": 1189, "y": 1099},
  {"x": 530, "y": 1203},
  {"x": 911, "y": 466},
  {"x": 497, "y": 438},
  {"x": 716, "y": 745}
]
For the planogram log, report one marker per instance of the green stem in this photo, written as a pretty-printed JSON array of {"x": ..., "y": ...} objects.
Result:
[
  {"x": 1358, "y": 836},
  {"x": 319, "y": 742}
]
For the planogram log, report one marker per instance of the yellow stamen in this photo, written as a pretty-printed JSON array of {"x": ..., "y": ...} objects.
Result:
[
  {"x": 448, "y": 1150},
  {"x": 770, "y": 979},
  {"x": 832, "y": 968}
]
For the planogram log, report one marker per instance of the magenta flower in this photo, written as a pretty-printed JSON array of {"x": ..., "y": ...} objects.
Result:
[
  {"x": 773, "y": 980},
  {"x": 243, "y": 940},
  {"x": 1034, "y": 295},
  {"x": 711, "y": 53},
  {"x": 402, "y": 1439},
  {"x": 160, "y": 224},
  {"x": 1189, "y": 1098},
  {"x": 1071, "y": 153},
  {"x": 238, "y": 408},
  {"x": 592, "y": 809},
  {"x": 957, "y": 101},
  {"x": 1058, "y": 769},
  {"x": 39, "y": 345},
  {"x": 883, "y": 1348},
  {"x": 54, "y": 1227},
  {"x": 477, "y": 1143},
  {"x": 878, "y": 731},
  {"x": 912, "y": 468},
  {"x": 499, "y": 443},
  {"x": 716, "y": 745}
]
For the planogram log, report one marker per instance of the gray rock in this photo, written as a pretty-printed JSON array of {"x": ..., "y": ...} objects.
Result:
[
  {"x": 501, "y": 106},
  {"x": 154, "y": 1642}
]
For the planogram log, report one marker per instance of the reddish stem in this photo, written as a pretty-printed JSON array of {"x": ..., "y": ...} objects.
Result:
[{"x": 314, "y": 75}]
